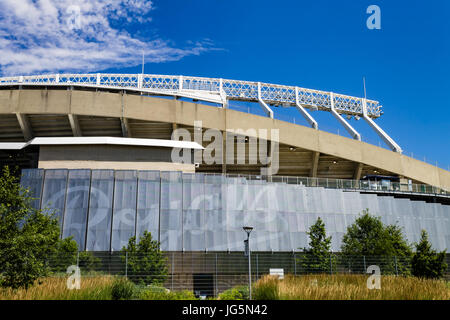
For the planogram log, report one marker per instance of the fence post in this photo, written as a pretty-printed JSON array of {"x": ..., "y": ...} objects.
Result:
[
  {"x": 78, "y": 259},
  {"x": 365, "y": 267},
  {"x": 171, "y": 269},
  {"x": 331, "y": 266},
  {"x": 126, "y": 264},
  {"x": 295, "y": 265},
  {"x": 396, "y": 268},
  {"x": 217, "y": 289},
  {"x": 257, "y": 266}
]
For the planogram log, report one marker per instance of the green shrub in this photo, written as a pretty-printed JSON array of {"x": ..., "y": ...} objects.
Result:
[
  {"x": 122, "y": 289},
  {"x": 158, "y": 293},
  {"x": 183, "y": 295},
  {"x": 141, "y": 290},
  {"x": 236, "y": 293}
]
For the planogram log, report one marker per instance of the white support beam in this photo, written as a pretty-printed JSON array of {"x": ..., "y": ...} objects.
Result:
[
  {"x": 140, "y": 80},
  {"x": 223, "y": 94},
  {"x": 180, "y": 83},
  {"x": 25, "y": 126},
  {"x": 264, "y": 106},
  {"x": 304, "y": 113},
  {"x": 344, "y": 123},
  {"x": 74, "y": 124},
  {"x": 383, "y": 135}
]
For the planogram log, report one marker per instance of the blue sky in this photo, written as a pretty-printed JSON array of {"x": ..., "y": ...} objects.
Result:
[{"x": 314, "y": 44}]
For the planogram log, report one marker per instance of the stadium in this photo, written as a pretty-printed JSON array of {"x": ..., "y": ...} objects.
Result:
[{"x": 99, "y": 150}]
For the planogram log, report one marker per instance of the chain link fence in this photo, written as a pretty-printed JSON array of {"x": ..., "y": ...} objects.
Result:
[{"x": 210, "y": 273}]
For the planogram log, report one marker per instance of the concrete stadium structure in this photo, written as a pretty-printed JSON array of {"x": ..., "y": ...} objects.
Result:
[{"x": 78, "y": 134}]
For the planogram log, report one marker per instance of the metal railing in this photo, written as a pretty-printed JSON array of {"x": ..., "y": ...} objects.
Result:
[
  {"x": 346, "y": 184},
  {"x": 209, "y": 89}
]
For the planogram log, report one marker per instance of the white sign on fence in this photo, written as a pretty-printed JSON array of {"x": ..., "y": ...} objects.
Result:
[{"x": 277, "y": 272}]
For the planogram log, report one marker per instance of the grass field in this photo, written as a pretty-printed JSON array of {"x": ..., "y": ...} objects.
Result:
[{"x": 349, "y": 287}]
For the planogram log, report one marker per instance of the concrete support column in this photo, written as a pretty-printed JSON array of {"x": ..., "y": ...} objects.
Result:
[
  {"x": 25, "y": 126},
  {"x": 358, "y": 171},
  {"x": 315, "y": 164},
  {"x": 74, "y": 125}
]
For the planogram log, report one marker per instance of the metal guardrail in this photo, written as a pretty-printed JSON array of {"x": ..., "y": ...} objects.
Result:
[
  {"x": 209, "y": 89},
  {"x": 347, "y": 184}
]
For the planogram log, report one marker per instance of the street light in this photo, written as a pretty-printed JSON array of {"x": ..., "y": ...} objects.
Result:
[{"x": 247, "y": 251}]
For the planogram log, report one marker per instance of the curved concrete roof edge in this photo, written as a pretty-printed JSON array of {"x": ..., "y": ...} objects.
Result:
[{"x": 107, "y": 104}]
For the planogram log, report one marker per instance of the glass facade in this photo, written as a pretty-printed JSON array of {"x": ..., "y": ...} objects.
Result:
[
  {"x": 77, "y": 204},
  {"x": 102, "y": 209}
]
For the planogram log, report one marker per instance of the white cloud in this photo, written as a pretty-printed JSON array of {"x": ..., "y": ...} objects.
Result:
[{"x": 38, "y": 36}]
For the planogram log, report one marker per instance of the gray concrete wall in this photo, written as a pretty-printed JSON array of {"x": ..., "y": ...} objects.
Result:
[{"x": 109, "y": 157}]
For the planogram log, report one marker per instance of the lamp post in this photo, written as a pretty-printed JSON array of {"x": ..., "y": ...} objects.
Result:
[{"x": 247, "y": 247}]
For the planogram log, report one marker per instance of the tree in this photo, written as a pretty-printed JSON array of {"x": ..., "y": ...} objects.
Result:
[
  {"x": 369, "y": 238},
  {"x": 27, "y": 236},
  {"x": 65, "y": 255},
  {"x": 88, "y": 262},
  {"x": 146, "y": 263},
  {"x": 426, "y": 262},
  {"x": 317, "y": 258}
]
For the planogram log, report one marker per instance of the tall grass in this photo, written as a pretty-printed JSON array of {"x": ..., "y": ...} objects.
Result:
[
  {"x": 349, "y": 287},
  {"x": 55, "y": 288},
  {"x": 93, "y": 288}
]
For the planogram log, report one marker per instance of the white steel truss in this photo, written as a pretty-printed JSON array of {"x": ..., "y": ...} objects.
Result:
[
  {"x": 207, "y": 89},
  {"x": 217, "y": 90}
]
